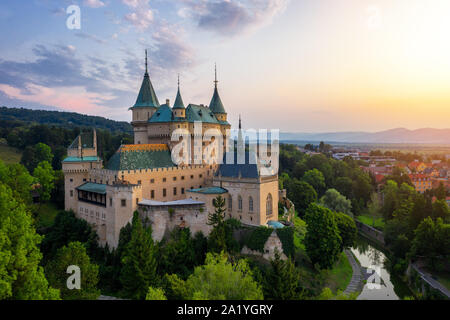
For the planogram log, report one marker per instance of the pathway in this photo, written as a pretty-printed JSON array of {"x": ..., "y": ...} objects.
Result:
[{"x": 357, "y": 278}]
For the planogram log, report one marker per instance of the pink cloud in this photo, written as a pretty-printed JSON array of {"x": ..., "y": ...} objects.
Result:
[{"x": 72, "y": 99}]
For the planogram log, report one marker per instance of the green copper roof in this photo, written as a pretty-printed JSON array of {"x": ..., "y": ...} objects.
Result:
[
  {"x": 147, "y": 96},
  {"x": 199, "y": 113},
  {"x": 210, "y": 190},
  {"x": 178, "y": 101},
  {"x": 135, "y": 160},
  {"x": 84, "y": 159},
  {"x": 163, "y": 114},
  {"x": 87, "y": 140},
  {"x": 216, "y": 105},
  {"x": 93, "y": 187}
]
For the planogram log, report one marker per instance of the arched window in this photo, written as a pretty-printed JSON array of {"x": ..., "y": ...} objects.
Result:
[
  {"x": 269, "y": 204},
  {"x": 230, "y": 203},
  {"x": 250, "y": 204},
  {"x": 240, "y": 203}
]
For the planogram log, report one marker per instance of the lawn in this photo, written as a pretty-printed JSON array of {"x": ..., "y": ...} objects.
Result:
[
  {"x": 339, "y": 277},
  {"x": 379, "y": 222},
  {"x": 46, "y": 214},
  {"x": 9, "y": 154}
]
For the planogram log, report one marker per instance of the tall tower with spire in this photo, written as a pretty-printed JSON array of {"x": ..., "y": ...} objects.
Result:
[
  {"x": 145, "y": 106},
  {"x": 178, "y": 107},
  {"x": 216, "y": 105}
]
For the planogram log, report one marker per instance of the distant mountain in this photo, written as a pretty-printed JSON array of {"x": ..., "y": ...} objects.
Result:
[
  {"x": 399, "y": 135},
  {"x": 61, "y": 118}
]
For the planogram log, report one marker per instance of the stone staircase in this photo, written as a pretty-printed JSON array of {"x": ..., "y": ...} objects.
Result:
[{"x": 355, "y": 284}]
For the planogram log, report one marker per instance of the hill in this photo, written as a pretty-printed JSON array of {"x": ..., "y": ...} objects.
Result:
[
  {"x": 399, "y": 135},
  {"x": 61, "y": 118}
]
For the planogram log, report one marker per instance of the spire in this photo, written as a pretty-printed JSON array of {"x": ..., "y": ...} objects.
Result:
[
  {"x": 240, "y": 122},
  {"x": 147, "y": 96},
  {"x": 178, "y": 104},
  {"x": 216, "y": 105}
]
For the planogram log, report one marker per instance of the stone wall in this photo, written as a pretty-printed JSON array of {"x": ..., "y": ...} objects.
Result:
[
  {"x": 370, "y": 232},
  {"x": 272, "y": 244}
]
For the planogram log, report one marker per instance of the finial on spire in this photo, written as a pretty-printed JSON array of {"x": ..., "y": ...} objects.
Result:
[
  {"x": 240, "y": 122},
  {"x": 146, "y": 67},
  {"x": 178, "y": 81},
  {"x": 215, "y": 75}
]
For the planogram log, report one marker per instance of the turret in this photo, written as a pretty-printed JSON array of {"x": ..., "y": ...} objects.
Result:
[
  {"x": 178, "y": 107},
  {"x": 147, "y": 101},
  {"x": 216, "y": 104}
]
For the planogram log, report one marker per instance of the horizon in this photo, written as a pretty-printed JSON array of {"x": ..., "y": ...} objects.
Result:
[{"x": 371, "y": 67}]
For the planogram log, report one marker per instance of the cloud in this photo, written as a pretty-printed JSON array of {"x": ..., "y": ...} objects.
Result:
[
  {"x": 231, "y": 17},
  {"x": 93, "y": 3},
  {"x": 141, "y": 16},
  {"x": 90, "y": 37}
]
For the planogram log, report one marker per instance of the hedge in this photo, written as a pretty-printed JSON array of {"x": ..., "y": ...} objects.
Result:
[
  {"x": 258, "y": 238},
  {"x": 286, "y": 236}
]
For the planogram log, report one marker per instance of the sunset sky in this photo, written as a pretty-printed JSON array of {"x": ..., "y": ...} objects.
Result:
[{"x": 299, "y": 65}]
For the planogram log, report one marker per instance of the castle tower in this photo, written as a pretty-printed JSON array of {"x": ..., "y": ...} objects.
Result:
[
  {"x": 145, "y": 106},
  {"x": 178, "y": 107},
  {"x": 216, "y": 104}
]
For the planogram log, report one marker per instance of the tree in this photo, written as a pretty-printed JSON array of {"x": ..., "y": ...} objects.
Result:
[
  {"x": 432, "y": 241},
  {"x": 347, "y": 230},
  {"x": 441, "y": 210},
  {"x": 334, "y": 201},
  {"x": 217, "y": 237},
  {"x": 45, "y": 175},
  {"x": 218, "y": 279},
  {"x": 315, "y": 178},
  {"x": 33, "y": 155},
  {"x": 322, "y": 240},
  {"x": 56, "y": 271},
  {"x": 282, "y": 280},
  {"x": 441, "y": 192},
  {"x": 374, "y": 207},
  {"x": 301, "y": 194},
  {"x": 21, "y": 276},
  {"x": 155, "y": 294},
  {"x": 18, "y": 179},
  {"x": 390, "y": 192},
  {"x": 345, "y": 186},
  {"x": 65, "y": 229},
  {"x": 139, "y": 262}
]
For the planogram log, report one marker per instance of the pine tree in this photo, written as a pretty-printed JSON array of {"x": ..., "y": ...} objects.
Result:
[
  {"x": 139, "y": 262},
  {"x": 217, "y": 240}
]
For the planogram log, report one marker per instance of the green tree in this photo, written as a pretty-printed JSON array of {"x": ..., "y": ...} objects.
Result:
[
  {"x": 347, "y": 230},
  {"x": 302, "y": 194},
  {"x": 33, "y": 155},
  {"x": 322, "y": 240},
  {"x": 21, "y": 277},
  {"x": 334, "y": 201},
  {"x": 155, "y": 294},
  {"x": 217, "y": 240},
  {"x": 139, "y": 262},
  {"x": 441, "y": 210},
  {"x": 218, "y": 279},
  {"x": 56, "y": 271},
  {"x": 441, "y": 192},
  {"x": 316, "y": 179},
  {"x": 282, "y": 280},
  {"x": 45, "y": 175},
  {"x": 17, "y": 178}
]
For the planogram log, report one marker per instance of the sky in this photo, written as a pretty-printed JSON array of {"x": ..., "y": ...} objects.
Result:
[{"x": 293, "y": 65}]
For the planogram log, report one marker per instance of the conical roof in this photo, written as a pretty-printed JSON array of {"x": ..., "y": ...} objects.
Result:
[
  {"x": 147, "y": 96},
  {"x": 216, "y": 104},
  {"x": 178, "y": 101}
]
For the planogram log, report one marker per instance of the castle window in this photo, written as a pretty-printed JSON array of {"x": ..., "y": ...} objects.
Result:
[
  {"x": 164, "y": 179},
  {"x": 192, "y": 176},
  {"x": 139, "y": 181},
  {"x": 164, "y": 192},
  {"x": 110, "y": 202},
  {"x": 137, "y": 201},
  {"x": 152, "y": 180},
  {"x": 230, "y": 203},
  {"x": 175, "y": 191},
  {"x": 182, "y": 190},
  {"x": 71, "y": 193},
  {"x": 269, "y": 204},
  {"x": 200, "y": 175},
  {"x": 182, "y": 177},
  {"x": 174, "y": 178},
  {"x": 240, "y": 203},
  {"x": 71, "y": 180},
  {"x": 250, "y": 204},
  {"x": 123, "y": 202},
  {"x": 152, "y": 194},
  {"x": 84, "y": 180}
]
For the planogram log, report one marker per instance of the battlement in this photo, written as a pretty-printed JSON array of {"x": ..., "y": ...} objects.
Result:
[{"x": 143, "y": 147}]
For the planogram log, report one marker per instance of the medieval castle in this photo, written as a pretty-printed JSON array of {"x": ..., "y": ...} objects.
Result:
[{"x": 144, "y": 176}]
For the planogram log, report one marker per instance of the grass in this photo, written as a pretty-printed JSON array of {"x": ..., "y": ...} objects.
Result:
[
  {"x": 9, "y": 155},
  {"x": 379, "y": 222},
  {"x": 46, "y": 214},
  {"x": 339, "y": 277}
]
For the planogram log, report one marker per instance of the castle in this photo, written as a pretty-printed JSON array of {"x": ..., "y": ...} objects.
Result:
[{"x": 144, "y": 176}]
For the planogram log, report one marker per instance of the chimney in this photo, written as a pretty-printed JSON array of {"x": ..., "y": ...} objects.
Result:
[{"x": 168, "y": 102}]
